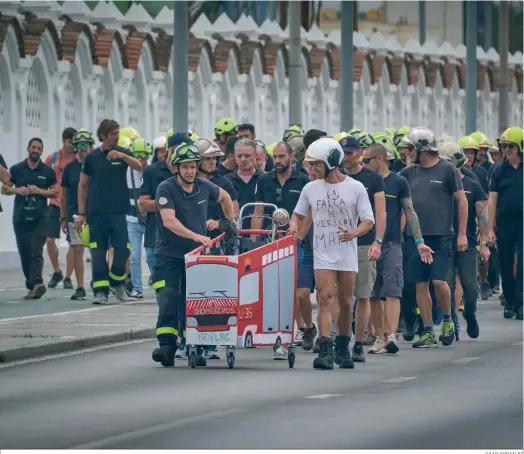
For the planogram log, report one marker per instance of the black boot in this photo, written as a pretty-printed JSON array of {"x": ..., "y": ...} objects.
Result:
[
  {"x": 342, "y": 355},
  {"x": 324, "y": 361},
  {"x": 164, "y": 355}
]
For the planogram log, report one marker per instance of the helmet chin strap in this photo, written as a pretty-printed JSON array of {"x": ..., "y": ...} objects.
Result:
[
  {"x": 205, "y": 171},
  {"x": 184, "y": 180}
]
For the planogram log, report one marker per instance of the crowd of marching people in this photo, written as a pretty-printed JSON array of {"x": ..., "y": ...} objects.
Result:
[{"x": 398, "y": 231}]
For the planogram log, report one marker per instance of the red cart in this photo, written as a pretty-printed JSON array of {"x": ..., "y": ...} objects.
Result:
[{"x": 241, "y": 292}]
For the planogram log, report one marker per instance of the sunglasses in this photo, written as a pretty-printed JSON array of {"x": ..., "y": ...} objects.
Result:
[
  {"x": 279, "y": 195},
  {"x": 508, "y": 146},
  {"x": 366, "y": 160}
]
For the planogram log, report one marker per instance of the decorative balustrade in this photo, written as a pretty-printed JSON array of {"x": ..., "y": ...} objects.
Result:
[{"x": 70, "y": 66}]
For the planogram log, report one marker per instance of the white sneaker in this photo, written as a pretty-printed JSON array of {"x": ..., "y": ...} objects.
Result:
[
  {"x": 280, "y": 353},
  {"x": 299, "y": 335},
  {"x": 378, "y": 347},
  {"x": 392, "y": 344}
]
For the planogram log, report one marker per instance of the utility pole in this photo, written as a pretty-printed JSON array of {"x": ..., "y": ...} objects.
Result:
[
  {"x": 346, "y": 53},
  {"x": 503, "y": 51},
  {"x": 295, "y": 66},
  {"x": 180, "y": 65},
  {"x": 422, "y": 22},
  {"x": 471, "y": 66}
]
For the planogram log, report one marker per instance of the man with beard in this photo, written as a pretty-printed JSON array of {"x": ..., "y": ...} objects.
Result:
[
  {"x": 83, "y": 142},
  {"x": 32, "y": 183},
  {"x": 103, "y": 195},
  {"x": 281, "y": 187}
]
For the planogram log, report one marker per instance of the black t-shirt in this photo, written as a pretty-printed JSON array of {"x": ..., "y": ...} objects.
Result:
[
  {"x": 483, "y": 177},
  {"x": 506, "y": 181},
  {"x": 487, "y": 165},
  {"x": 4, "y": 165},
  {"x": 107, "y": 191},
  {"x": 397, "y": 188},
  {"x": 269, "y": 190},
  {"x": 432, "y": 192},
  {"x": 221, "y": 170},
  {"x": 474, "y": 194},
  {"x": 398, "y": 165},
  {"x": 214, "y": 209},
  {"x": 373, "y": 183},
  {"x": 470, "y": 174},
  {"x": 30, "y": 209},
  {"x": 70, "y": 180},
  {"x": 245, "y": 193},
  {"x": 190, "y": 210},
  {"x": 152, "y": 176}
]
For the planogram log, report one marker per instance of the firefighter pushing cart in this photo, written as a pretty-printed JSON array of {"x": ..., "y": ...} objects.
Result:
[{"x": 241, "y": 291}]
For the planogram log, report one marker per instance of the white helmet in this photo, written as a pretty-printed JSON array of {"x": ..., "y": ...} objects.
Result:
[
  {"x": 450, "y": 150},
  {"x": 327, "y": 150},
  {"x": 208, "y": 148},
  {"x": 389, "y": 151},
  {"x": 423, "y": 138},
  {"x": 159, "y": 142}
]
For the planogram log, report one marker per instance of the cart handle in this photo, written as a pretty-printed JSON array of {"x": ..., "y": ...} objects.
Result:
[
  {"x": 260, "y": 232},
  {"x": 253, "y": 204},
  {"x": 199, "y": 250}
]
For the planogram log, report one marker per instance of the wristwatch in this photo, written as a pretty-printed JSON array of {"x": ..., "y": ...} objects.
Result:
[
  {"x": 420, "y": 240},
  {"x": 378, "y": 240}
]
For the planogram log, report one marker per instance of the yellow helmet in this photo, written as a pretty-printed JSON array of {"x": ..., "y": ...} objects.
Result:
[
  {"x": 468, "y": 143},
  {"x": 125, "y": 142},
  {"x": 130, "y": 133},
  {"x": 84, "y": 236}
]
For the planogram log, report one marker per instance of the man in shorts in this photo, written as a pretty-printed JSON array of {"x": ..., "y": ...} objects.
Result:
[
  {"x": 337, "y": 203},
  {"x": 83, "y": 142},
  {"x": 369, "y": 245},
  {"x": 390, "y": 281},
  {"x": 435, "y": 187}
]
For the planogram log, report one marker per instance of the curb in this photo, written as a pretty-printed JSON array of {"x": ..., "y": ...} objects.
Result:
[{"x": 21, "y": 353}]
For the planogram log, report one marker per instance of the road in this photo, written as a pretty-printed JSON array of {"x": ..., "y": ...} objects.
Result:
[{"x": 467, "y": 396}]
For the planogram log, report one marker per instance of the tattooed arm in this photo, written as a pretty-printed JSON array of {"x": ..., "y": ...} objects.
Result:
[
  {"x": 481, "y": 208},
  {"x": 411, "y": 218}
]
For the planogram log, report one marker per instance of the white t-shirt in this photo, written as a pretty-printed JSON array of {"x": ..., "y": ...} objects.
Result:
[
  {"x": 334, "y": 205},
  {"x": 138, "y": 184}
]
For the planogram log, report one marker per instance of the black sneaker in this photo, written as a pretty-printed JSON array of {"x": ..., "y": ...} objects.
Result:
[
  {"x": 358, "y": 353},
  {"x": 472, "y": 328},
  {"x": 164, "y": 355},
  {"x": 509, "y": 312},
  {"x": 342, "y": 355},
  {"x": 67, "y": 283},
  {"x": 316, "y": 347},
  {"x": 324, "y": 360},
  {"x": 79, "y": 294},
  {"x": 484, "y": 291},
  {"x": 409, "y": 332},
  {"x": 519, "y": 314},
  {"x": 309, "y": 338},
  {"x": 56, "y": 278}
]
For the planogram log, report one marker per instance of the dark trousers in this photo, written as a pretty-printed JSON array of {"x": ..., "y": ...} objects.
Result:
[
  {"x": 30, "y": 240},
  {"x": 494, "y": 271},
  {"x": 105, "y": 229},
  {"x": 509, "y": 242},
  {"x": 408, "y": 302},
  {"x": 465, "y": 265},
  {"x": 169, "y": 281}
]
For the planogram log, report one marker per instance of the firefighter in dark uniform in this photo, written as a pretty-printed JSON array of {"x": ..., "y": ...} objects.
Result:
[
  {"x": 103, "y": 185},
  {"x": 505, "y": 218},
  {"x": 32, "y": 183},
  {"x": 182, "y": 204}
]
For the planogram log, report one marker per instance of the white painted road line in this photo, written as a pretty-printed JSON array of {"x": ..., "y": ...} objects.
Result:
[
  {"x": 519, "y": 344},
  {"x": 464, "y": 360},
  {"x": 72, "y": 353},
  {"x": 91, "y": 309},
  {"x": 399, "y": 379},
  {"x": 322, "y": 396},
  {"x": 140, "y": 433}
]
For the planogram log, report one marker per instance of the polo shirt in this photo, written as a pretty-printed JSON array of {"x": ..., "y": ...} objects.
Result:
[
  {"x": 246, "y": 194},
  {"x": 506, "y": 181}
]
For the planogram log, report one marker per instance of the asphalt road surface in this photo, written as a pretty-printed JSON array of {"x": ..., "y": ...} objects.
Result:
[{"x": 467, "y": 396}]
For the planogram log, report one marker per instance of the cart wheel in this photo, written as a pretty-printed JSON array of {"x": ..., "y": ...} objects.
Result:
[
  {"x": 291, "y": 360},
  {"x": 231, "y": 360},
  {"x": 192, "y": 360},
  {"x": 248, "y": 342}
]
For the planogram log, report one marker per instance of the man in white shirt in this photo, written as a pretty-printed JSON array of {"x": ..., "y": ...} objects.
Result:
[{"x": 337, "y": 203}]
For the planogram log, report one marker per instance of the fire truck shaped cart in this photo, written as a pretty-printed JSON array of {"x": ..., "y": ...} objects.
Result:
[{"x": 241, "y": 292}]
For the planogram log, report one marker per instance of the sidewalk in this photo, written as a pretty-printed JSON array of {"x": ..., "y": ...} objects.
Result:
[{"x": 33, "y": 336}]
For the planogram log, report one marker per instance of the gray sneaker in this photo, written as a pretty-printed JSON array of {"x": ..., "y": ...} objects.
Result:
[
  {"x": 100, "y": 298},
  {"x": 120, "y": 293}
]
